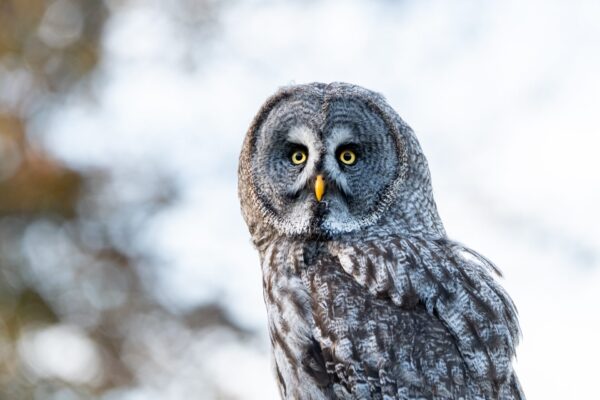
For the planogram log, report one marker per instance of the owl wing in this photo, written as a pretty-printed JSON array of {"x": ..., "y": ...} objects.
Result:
[
  {"x": 372, "y": 349},
  {"x": 463, "y": 325}
]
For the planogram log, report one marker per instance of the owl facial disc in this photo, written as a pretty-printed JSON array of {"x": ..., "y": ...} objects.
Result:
[{"x": 323, "y": 160}]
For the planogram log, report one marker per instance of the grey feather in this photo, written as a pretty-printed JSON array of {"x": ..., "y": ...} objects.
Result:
[{"x": 366, "y": 296}]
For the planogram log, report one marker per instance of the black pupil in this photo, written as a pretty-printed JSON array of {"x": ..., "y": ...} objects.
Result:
[
  {"x": 298, "y": 156},
  {"x": 347, "y": 156}
]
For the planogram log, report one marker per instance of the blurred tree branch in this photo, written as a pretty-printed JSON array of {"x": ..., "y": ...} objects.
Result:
[{"x": 68, "y": 242}]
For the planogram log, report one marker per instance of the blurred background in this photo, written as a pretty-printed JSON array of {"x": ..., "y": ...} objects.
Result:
[{"x": 126, "y": 271}]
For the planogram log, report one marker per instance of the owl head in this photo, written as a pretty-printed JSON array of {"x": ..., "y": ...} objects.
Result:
[{"x": 332, "y": 159}]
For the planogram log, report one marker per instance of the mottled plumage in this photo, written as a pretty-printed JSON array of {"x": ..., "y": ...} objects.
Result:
[{"x": 366, "y": 296}]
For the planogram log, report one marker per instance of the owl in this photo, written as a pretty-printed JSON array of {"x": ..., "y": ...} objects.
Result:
[{"x": 366, "y": 296}]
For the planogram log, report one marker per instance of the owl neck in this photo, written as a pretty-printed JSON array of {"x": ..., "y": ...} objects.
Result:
[
  {"x": 398, "y": 223},
  {"x": 413, "y": 214}
]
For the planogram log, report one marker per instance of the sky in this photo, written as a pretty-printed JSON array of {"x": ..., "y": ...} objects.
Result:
[{"x": 502, "y": 95}]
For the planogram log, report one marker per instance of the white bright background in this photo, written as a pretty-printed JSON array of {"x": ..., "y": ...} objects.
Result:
[{"x": 503, "y": 95}]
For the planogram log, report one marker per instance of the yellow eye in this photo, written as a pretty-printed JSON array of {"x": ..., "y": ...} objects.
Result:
[
  {"x": 299, "y": 157},
  {"x": 347, "y": 157}
]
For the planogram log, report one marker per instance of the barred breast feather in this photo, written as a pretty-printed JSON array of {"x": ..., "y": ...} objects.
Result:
[{"x": 389, "y": 318}]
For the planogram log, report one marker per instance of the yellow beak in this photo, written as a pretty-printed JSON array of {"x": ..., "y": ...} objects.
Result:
[{"x": 319, "y": 187}]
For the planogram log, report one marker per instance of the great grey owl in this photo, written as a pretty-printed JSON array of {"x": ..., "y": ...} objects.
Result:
[{"x": 366, "y": 296}]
